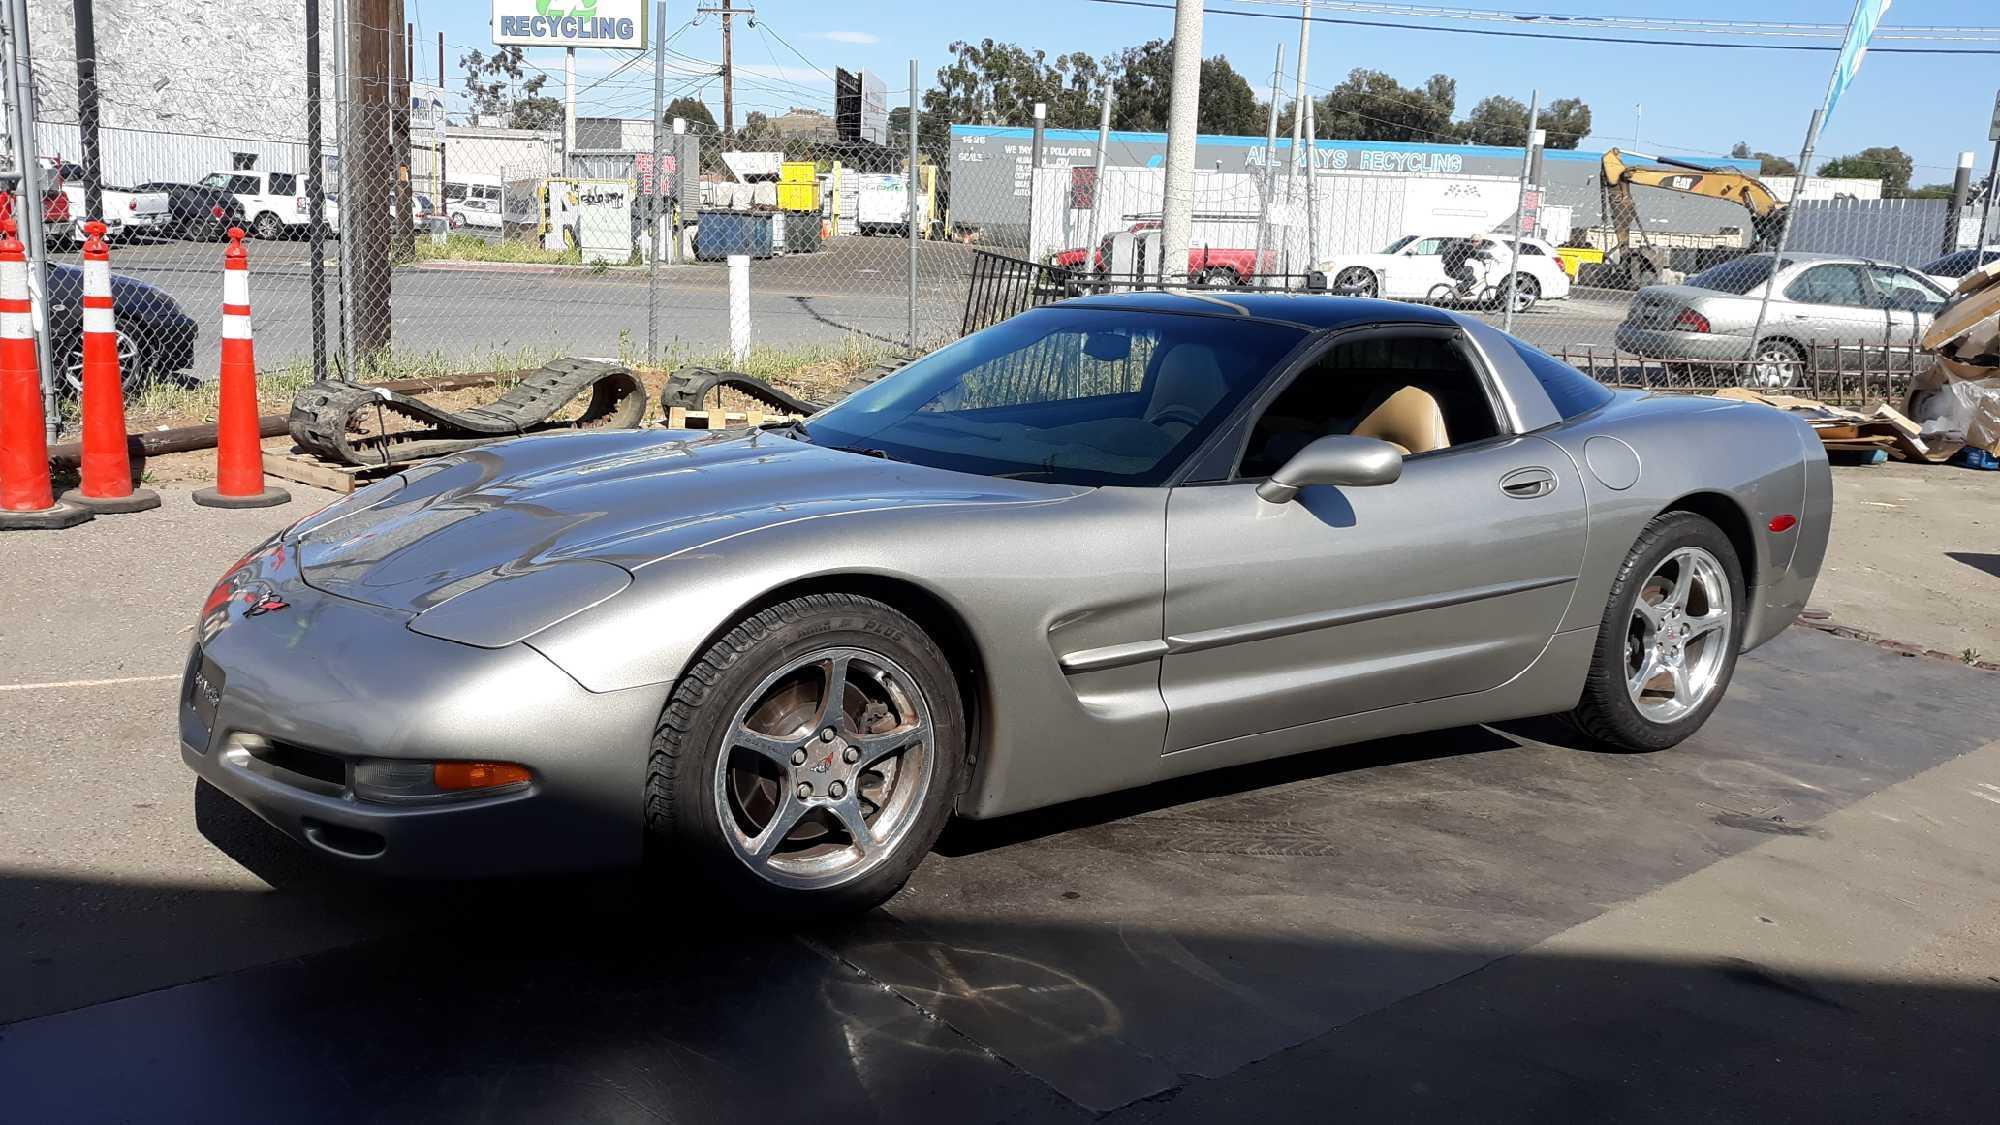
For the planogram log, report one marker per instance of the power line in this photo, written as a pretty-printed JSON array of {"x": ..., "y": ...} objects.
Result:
[
  {"x": 1662, "y": 24},
  {"x": 1545, "y": 35}
]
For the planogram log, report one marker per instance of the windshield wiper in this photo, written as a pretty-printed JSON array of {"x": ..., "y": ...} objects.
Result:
[{"x": 865, "y": 452}]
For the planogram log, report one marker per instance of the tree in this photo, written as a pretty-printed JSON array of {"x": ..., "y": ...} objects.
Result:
[
  {"x": 989, "y": 83},
  {"x": 1890, "y": 165},
  {"x": 1498, "y": 120},
  {"x": 1566, "y": 121},
  {"x": 1372, "y": 106},
  {"x": 1142, "y": 87},
  {"x": 497, "y": 86},
  {"x": 692, "y": 110},
  {"x": 1768, "y": 164}
]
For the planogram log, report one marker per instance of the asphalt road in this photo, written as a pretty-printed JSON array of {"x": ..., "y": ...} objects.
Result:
[
  {"x": 473, "y": 312},
  {"x": 1794, "y": 916}
]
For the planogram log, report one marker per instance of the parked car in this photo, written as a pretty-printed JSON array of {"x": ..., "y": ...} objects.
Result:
[
  {"x": 1103, "y": 543},
  {"x": 275, "y": 203},
  {"x": 1412, "y": 268},
  {"x": 127, "y": 211},
  {"x": 1950, "y": 269},
  {"x": 474, "y": 201},
  {"x": 422, "y": 210},
  {"x": 155, "y": 337},
  {"x": 195, "y": 211},
  {"x": 1816, "y": 300}
]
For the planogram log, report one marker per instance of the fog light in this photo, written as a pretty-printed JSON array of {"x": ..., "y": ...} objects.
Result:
[{"x": 401, "y": 781}]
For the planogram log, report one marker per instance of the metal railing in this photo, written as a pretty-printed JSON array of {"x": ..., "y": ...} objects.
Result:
[{"x": 1852, "y": 375}]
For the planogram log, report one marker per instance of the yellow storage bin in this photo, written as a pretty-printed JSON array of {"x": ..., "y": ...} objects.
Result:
[
  {"x": 798, "y": 197},
  {"x": 797, "y": 172}
]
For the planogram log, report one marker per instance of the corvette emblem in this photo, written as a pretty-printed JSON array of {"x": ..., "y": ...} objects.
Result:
[
  {"x": 268, "y": 604},
  {"x": 824, "y": 764}
]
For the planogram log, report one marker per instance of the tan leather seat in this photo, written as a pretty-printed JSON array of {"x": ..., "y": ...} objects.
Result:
[
  {"x": 1188, "y": 386},
  {"x": 1409, "y": 420}
]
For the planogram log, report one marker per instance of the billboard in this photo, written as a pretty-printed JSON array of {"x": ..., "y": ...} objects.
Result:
[
  {"x": 860, "y": 106},
  {"x": 874, "y": 108},
  {"x": 570, "y": 23}
]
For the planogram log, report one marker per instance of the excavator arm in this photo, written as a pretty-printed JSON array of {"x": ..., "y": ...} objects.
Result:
[{"x": 1618, "y": 178}]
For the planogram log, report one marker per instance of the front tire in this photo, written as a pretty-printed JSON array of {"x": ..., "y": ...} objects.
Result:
[
  {"x": 807, "y": 761},
  {"x": 1667, "y": 645},
  {"x": 1357, "y": 281}
]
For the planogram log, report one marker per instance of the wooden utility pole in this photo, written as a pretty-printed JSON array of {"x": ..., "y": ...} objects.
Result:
[
  {"x": 367, "y": 213},
  {"x": 728, "y": 70}
]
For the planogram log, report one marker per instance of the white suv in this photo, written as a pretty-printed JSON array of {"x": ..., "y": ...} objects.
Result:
[{"x": 274, "y": 203}]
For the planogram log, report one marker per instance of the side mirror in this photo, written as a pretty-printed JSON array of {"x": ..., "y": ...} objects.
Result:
[{"x": 1335, "y": 459}]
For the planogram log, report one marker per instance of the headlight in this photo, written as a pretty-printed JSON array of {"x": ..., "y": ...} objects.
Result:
[{"x": 514, "y": 607}]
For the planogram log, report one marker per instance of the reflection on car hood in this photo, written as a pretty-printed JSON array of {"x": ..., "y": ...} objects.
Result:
[{"x": 624, "y": 497}]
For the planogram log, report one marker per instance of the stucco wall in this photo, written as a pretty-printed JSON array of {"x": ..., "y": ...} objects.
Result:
[{"x": 235, "y": 69}]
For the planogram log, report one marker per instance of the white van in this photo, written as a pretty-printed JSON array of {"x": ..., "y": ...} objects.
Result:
[{"x": 473, "y": 201}]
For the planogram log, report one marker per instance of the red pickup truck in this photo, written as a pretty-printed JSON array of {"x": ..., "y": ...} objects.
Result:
[{"x": 1217, "y": 266}]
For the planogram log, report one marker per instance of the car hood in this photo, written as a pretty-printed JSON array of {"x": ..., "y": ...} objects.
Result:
[{"x": 628, "y": 498}]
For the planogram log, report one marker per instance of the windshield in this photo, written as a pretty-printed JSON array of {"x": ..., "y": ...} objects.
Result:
[
  {"x": 1399, "y": 244},
  {"x": 1063, "y": 394}
]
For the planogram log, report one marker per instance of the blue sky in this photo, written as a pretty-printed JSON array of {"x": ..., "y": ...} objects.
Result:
[{"x": 1687, "y": 100}]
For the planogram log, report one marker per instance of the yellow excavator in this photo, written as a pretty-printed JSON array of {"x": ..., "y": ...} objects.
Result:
[{"x": 1639, "y": 263}]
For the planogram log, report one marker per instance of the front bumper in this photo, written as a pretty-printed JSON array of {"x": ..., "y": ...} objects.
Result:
[{"x": 309, "y": 689}]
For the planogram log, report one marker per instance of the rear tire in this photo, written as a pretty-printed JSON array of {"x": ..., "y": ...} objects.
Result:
[
  {"x": 759, "y": 788},
  {"x": 1217, "y": 277},
  {"x": 1623, "y": 707},
  {"x": 270, "y": 227}
]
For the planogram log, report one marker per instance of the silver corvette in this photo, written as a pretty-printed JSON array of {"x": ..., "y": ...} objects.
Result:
[{"x": 1106, "y": 542}]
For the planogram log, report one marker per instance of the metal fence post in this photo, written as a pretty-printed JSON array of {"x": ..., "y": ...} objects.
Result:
[
  {"x": 1097, "y": 184},
  {"x": 659, "y": 181},
  {"x": 1270, "y": 155},
  {"x": 1785, "y": 228},
  {"x": 1521, "y": 206},
  {"x": 316, "y": 193},
  {"x": 28, "y": 216},
  {"x": 912, "y": 202},
  {"x": 1034, "y": 167}
]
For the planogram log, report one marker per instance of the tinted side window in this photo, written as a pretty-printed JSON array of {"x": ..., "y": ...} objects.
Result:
[
  {"x": 244, "y": 185},
  {"x": 1571, "y": 391},
  {"x": 283, "y": 183}
]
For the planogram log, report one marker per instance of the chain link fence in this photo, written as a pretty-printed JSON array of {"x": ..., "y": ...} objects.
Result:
[{"x": 456, "y": 248}]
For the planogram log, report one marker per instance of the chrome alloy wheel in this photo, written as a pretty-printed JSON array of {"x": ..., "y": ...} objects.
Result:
[
  {"x": 1679, "y": 637},
  {"x": 825, "y": 768}
]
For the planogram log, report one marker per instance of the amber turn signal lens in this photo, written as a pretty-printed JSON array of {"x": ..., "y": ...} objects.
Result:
[{"x": 477, "y": 775}]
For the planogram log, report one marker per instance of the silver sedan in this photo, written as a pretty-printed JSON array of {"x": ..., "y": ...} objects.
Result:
[
  {"x": 1817, "y": 300},
  {"x": 1104, "y": 543}
]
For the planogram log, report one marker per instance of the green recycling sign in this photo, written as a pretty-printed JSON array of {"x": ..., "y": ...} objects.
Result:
[{"x": 570, "y": 23}]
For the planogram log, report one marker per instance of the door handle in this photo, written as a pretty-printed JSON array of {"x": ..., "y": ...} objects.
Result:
[{"x": 1529, "y": 483}]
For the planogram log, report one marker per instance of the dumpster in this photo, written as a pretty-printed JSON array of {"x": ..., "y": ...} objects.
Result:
[
  {"x": 802, "y": 232},
  {"x": 720, "y": 234}
]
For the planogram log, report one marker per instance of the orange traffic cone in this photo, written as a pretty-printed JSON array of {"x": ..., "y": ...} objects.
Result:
[
  {"x": 239, "y": 450},
  {"x": 107, "y": 465},
  {"x": 26, "y": 501}
]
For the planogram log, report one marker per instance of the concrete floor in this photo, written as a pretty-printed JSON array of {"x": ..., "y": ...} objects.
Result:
[
  {"x": 1915, "y": 556},
  {"x": 1794, "y": 915}
]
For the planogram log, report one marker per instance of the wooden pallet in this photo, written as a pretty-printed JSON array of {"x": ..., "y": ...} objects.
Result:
[
  {"x": 301, "y": 468},
  {"x": 681, "y": 418}
]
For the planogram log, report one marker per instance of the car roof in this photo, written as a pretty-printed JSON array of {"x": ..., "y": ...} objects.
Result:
[{"x": 1305, "y": 310}]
